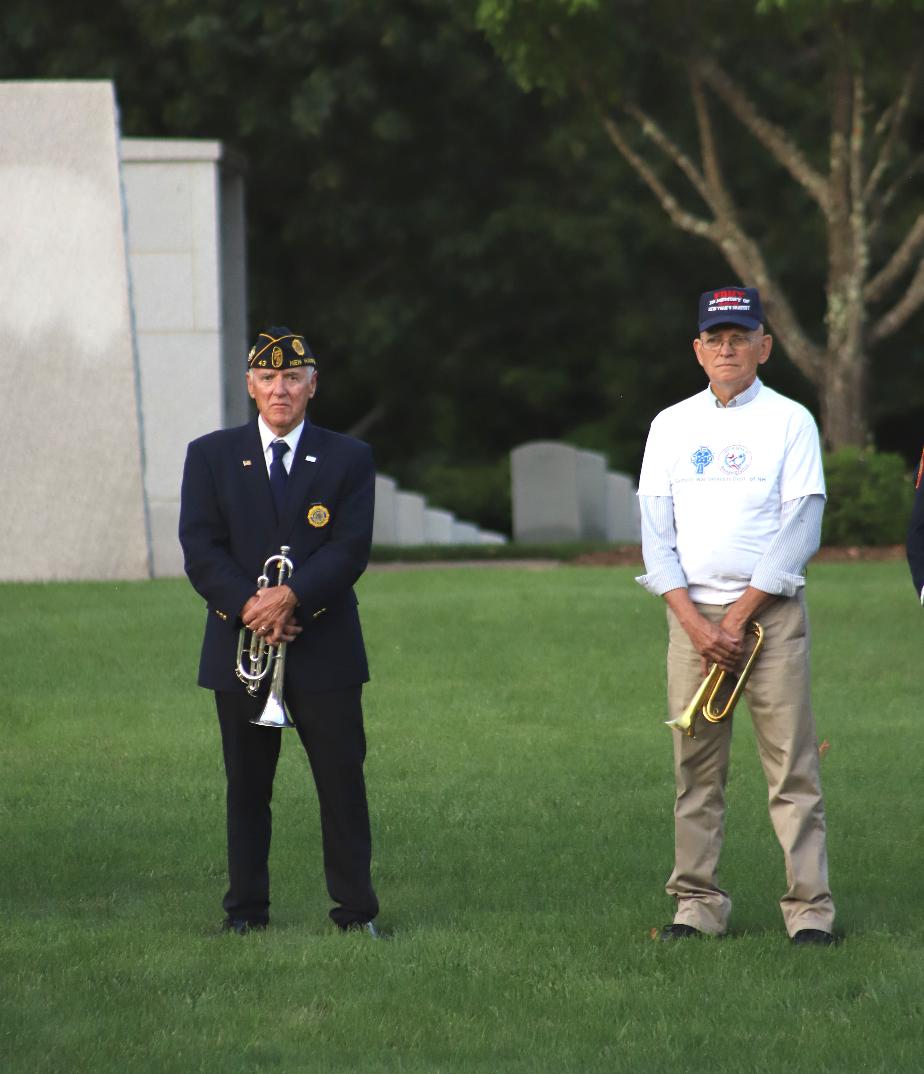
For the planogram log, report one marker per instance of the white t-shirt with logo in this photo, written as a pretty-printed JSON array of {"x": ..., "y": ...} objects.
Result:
[{"x": 728, "y": 471}]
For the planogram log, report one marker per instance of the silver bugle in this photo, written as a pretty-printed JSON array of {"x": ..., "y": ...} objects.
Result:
[{"x": 264, "y": 658}]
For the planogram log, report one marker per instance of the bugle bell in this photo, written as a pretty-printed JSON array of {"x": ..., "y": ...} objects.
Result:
[
  {"x": 705, "y": 701},
  {"x": 263, "y": 658}
]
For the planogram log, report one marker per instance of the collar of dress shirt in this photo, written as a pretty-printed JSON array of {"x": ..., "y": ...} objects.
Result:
[
  {"x": 747, "y": 396},
  {"x": 267, "y": 436}
]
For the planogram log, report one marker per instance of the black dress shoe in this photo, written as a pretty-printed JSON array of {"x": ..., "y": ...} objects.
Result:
[
  {"x": 242, "y": 925},
  {"x": 368, "y": 927},
  {"x": 677, "y": 932},
  {"x": 813, "y": 936}
]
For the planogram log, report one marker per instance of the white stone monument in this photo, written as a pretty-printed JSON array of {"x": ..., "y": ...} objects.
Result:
[
  {"x": 131, "y": 282},
  {"x": 546, "y": 498},
  {"x": 72, "y": 480},
  {"x": 385, "y": 519}
]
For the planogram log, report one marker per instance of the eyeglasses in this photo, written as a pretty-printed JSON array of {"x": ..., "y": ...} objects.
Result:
[{"x": 736, "y": 342}]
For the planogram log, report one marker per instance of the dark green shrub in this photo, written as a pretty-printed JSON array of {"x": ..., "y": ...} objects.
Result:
[
  {"x": 869, "y": 498},
  {"x": 565, "y": 552},
  {"x": 479, "y": 493}
]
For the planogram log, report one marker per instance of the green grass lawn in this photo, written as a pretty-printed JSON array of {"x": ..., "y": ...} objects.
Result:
[{"x": 520, "y": 784}]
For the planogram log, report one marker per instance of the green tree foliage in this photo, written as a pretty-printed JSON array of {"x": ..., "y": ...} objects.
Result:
[
  {"x": 466, "y": 262},
  {"x": 750, "y": 123},
  {"x": 474, "y": 265}
]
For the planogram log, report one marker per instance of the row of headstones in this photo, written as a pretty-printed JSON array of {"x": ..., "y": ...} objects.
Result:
[
  {"x": 562, "y": 493},
  {"x": 403, "y": 518}
]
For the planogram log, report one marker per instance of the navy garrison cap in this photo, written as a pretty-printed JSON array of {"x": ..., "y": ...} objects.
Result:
[
  {"x": 280, "y": 348},
  {"x": 730, "y": 305}
]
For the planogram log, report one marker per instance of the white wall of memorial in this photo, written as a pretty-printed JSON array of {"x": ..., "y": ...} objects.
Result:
[
  {"x": 72, "y": 484},
  {"x": 122, "y": 271},
  {"x": 184, "y": 207}
]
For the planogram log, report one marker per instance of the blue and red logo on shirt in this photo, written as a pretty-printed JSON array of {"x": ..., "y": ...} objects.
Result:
[{"x": 735, "y": 459}]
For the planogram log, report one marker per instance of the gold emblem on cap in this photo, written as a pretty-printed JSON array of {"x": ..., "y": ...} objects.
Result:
[
  {"x": 318, "y": 515},
  {"x": 277, "y": 357},
  {"x": 253, "y": 353},
  {"x": 297, "y": 347}
]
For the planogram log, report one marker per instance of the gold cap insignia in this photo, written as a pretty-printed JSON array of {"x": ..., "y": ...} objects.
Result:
[
  {"x": 318, "y": 515},
  {"x": 280, "y": 349}
]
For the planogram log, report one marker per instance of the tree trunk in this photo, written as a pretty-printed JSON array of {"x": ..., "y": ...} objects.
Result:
[
  {"x": 843, "y": 380},
  {"x": 842, "y": 397}
]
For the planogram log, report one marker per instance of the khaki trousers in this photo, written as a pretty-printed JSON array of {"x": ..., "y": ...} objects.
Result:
[{"x": 777, "y": 695}]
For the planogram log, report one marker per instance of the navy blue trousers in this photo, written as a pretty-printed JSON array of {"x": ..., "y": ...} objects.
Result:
[{"x": 330, "y": 726}]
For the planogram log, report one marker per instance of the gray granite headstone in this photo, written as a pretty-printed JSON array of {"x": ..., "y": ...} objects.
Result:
[
  {"x": 385, "y": 519},
  {"x": 465, "y": 533},
  {"x": 438, "y": 525},
  {"x": 622, "y": 525},
  {"x": 546, "y": 499},
  {"x": 409, "y": 510},
  {"x": 72, "y": 481},
  {"x": 592, "y": 493}
]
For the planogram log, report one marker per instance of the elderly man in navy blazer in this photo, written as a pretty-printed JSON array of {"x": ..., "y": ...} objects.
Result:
[{"x": 279, "y": 480}]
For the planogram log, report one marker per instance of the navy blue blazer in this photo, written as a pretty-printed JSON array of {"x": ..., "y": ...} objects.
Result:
[{"x": 228, "y": 528}]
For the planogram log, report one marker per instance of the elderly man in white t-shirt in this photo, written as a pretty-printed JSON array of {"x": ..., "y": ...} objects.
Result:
[{"x": 732, "y": 494}]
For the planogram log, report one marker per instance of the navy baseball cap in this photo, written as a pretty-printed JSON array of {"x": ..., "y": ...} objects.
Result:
[{"x": 730, "y": 305}]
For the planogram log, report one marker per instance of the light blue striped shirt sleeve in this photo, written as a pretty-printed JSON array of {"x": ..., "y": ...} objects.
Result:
[
  {"x": 659, "y": 546},
  {"x": 780, "y": 570}
]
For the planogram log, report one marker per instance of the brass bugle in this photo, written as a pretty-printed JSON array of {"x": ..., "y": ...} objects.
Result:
[
  {"x": 263, "y": 657},
  {"x": 687, "y": 719},
  {"x": 704, "y": 700}
]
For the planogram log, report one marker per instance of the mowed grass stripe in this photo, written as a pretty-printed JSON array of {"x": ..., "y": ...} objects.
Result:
[{"x": 520, "y": 785}]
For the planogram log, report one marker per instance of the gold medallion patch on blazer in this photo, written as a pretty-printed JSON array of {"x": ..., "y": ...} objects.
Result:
[{"x": 318, "y": 515}]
